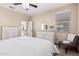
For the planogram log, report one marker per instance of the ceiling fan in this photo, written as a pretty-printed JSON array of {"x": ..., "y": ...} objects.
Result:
[{"x": 26, "y": 5}]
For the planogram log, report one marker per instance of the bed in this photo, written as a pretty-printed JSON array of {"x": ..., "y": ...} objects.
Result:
[{"x": 27, "y": 46}]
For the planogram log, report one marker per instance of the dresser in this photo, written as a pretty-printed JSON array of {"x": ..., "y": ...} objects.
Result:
[
  {"x": 9, "y": 32},
  {"x": 47, "y": 35}
]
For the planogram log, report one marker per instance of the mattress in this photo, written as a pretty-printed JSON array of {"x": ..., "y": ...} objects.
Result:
[{"x": 27, "y": 46}]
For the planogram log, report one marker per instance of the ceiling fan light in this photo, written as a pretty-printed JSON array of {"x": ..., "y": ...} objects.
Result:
[{"x": 25, "y": 5}]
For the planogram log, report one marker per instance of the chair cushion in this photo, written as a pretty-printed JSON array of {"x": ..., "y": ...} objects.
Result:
[
  {"x": 71, "y": 37},
  {"x": 64, "y": 42}
]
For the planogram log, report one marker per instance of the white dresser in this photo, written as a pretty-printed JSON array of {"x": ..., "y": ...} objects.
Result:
[
  {"x": 9, "y": 32},
  {"x": 48, "y": 35}
]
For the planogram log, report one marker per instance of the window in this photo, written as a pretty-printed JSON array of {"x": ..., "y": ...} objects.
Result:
[{"x": 62, "y": 20}]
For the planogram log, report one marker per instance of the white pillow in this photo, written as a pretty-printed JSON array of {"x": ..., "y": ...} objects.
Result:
[{"x": 71, "y": 37}]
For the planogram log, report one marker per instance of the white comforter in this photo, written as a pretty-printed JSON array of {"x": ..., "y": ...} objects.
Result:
[{"x": 27, "y": 46}]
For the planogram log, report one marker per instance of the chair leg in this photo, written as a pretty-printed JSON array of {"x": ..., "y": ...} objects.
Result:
[
  {"x": 76, "y": 50},
  {"x": 59, "y": 45},
  {"x": 66, "y": 50}
]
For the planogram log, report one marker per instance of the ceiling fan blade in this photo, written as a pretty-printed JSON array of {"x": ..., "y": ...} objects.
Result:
[
  {"x": 17, "y": 3},
  {"x": 33, "y": 5}
]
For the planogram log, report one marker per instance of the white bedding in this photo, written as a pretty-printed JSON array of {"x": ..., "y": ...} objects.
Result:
[{"x": 27, "y": 46}]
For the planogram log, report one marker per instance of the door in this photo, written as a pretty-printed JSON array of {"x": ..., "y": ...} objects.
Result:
[
  {"x": 23, "y": 28},
  {"x": 29, "y": 28}
]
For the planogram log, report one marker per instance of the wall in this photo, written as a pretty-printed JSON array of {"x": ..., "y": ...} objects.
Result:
[
  {"x": 11, "y": 18},
  {"x": 47, "y": 18},
  {"x": 72, "y": 23},
  {"x": 50, "y": 18},
  {"x": 78, "y": 20}
]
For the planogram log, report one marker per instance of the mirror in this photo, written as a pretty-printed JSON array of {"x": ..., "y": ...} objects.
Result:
[{"x": 44, "y": 26}]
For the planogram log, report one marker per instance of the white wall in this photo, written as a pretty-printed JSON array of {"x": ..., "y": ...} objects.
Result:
[
  {"x": 50, "y": 18},
  {"x": 11, "y": 18}
]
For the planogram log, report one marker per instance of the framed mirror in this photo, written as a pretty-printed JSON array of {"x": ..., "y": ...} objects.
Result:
[{"x": 44, "y": 26}]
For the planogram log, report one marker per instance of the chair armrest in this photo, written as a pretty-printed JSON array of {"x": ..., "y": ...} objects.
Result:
[{"x": 68, "y": 44}]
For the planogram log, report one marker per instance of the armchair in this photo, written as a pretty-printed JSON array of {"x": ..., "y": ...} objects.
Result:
[
  {"x": 72, "y": 45},
  {"x": 68, "y": 40}
]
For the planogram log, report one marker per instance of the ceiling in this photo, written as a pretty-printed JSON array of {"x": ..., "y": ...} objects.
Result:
[{"x": 42, "y": 7}]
